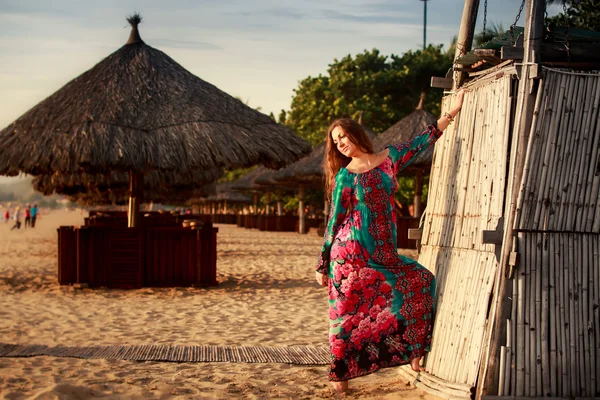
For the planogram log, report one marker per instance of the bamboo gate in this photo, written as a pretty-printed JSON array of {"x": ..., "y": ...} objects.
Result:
[
  {"x": 466, "y": 197},
  {"x": 552, "y": 341},
  {"x": 552, "y": 337}
]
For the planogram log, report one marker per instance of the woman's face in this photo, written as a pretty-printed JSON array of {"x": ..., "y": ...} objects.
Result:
[{"x": 342, "y": 141}]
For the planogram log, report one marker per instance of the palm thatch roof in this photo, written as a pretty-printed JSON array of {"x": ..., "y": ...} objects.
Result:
[
  {"x": 119, "y": 196},
  {"x": 138, "y": 109},
  {"x": 247, "y": 182},
  {"x": 403, "y": 131},
  {"x": 226, "y": 193},
  {"x": 167, "y": 182}
]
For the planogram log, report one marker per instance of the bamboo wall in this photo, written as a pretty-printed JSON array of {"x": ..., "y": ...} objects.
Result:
[
  {"x": 553, "y": 336},
  {"x": 466, "y": 197}
]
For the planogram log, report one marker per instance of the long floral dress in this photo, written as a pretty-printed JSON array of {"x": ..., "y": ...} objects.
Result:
[{"x": 381, "y": 303}]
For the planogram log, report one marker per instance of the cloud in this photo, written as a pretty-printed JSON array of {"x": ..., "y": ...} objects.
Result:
[{"x": 183, "y": 44}]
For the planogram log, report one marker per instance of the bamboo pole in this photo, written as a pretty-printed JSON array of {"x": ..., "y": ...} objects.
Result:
[
  {"x": 571, "y": 211},
  {"x": 502, "y": 370},
  {"x": 564, "y": 307},
  {"x": 583, "y": 156},
  {"x": 559, "y": 180},
  {"x": 565, "y": 178},
  {"x": 438, "y": 392},
  {"x": 465, "y": 36},
  {"x": 595, "y": 186},
  {"x": 521, "y": 332},
  {"x": 585, "y": 308},
  {"x": 513, "y": 334},
  {"x": 430, "y": 378},
  {"x": 480, "y": 320},
  {"x": 508, "y": 368},
  {"x": 530, "y": 309},
  {"x": 547, "y": 164},
  {"x": 572, "y": 360},
  {"x": 596, "y": 271},
  {"x": 579, "y": 318},
  {"x": 544, "y": 370},
  {"x": 584, "y": 195},
  {"x": 553, "y": 369},
  {"x": 460, "y": 370}
]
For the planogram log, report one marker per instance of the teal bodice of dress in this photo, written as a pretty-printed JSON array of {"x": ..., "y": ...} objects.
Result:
[{"x": 362, "y": 204}]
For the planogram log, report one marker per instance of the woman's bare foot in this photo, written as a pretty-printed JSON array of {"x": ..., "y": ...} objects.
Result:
[
  {"x": 340, "y": 387},
  {"x": 414, "y": 364}
]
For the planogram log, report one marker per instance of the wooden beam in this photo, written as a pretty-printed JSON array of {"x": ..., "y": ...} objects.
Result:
[
  {"x": 511, "y": 53},
  {"x": 465, "y": 35},
  {"x": 491, "y": 70},
  {"x": 443, "y": 83},
  {"x": 415, "y": 234},
  {"x": 500, "y": 307}
]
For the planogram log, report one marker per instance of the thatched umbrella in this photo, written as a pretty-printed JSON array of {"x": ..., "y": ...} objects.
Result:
[
  {"x": 136, "y": 111},
  {"x": 159, "y": 181},
  {"x": 120, "y": 196},
  {"x": 402, "y": 131},
  {"x": 226, "y": 195}
]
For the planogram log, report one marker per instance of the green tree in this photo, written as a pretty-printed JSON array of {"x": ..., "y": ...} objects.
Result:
[
  {"x": 384, "y": 88},
  {"x": 583, "y": 14},
  {"x": 494, "y": 30}
]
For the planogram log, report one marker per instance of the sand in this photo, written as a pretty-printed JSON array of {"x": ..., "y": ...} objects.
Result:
[{"x": 266, "y": 297}]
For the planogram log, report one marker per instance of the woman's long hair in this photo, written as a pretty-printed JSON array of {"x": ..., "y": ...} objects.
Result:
[{"x": 334, "y": 160}]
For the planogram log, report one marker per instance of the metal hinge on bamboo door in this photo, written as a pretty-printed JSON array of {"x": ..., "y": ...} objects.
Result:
[{"x": 495, "y": 237}]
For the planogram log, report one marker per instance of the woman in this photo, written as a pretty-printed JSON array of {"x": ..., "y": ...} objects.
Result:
[{"x": 380, "y": 303}]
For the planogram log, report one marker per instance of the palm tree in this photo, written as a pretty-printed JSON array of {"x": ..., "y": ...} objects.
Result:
[{"x": 495, "y": 29}]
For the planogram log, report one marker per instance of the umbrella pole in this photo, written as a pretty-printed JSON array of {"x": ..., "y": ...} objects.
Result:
[
  {"x": 301, "y": 224},
  {"x": 135, "y": 194},
  {"x": 418, "y": 193}
]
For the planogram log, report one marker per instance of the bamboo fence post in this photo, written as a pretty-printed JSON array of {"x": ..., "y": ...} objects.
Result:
[
  {"x": 572, "y": 324},
  {"x": 558, "y": 180},
  {"x": 583, "y": 155},
  {"x": 508, "y": 368},
  {"x": 530, "y": 350},
  {"x": 545, "y": 365},
  {"x": 553, "y": 369},
  {"x": 595, "y": 178},
  {"x": 574, "y": 177},
  {"x": 565, "y": 183},
  {"x": 468, "y": 326},
  {"x": 524, "y": 202},
  {"x": 520, "y": 337},
  {"x": 513, "y": 333},
  {"x": 480, "y": 320},
  {"x": 584, "y": 195},
  {"x": 588, "y": 370},
  {"x": 580, "y": 372},
  {"x": 502, "y": 370},
  {"x": 537, "y": 338},
  {"x": 547, "y": 156},
  {"x": 596, "y": 270},
  {"x": 564, "y": 325}
]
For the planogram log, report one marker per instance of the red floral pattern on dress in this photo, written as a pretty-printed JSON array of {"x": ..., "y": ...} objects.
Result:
[{"x": 380, "y": 304}]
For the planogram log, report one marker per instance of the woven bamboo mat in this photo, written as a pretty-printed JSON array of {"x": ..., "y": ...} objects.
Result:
[{"x": 299, "y": 355}]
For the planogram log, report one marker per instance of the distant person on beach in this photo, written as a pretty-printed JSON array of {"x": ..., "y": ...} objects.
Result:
[
  {"x": 17, "y": 219},
  {"x": 381, "y": 304},
  {"x": 27, "y": 216},
  {"x": 34, "y": 213},
  {"x": 6, "y": 216}
]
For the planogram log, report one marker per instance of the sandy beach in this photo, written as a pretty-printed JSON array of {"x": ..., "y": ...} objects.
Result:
[{"x": 266, "y": 297}]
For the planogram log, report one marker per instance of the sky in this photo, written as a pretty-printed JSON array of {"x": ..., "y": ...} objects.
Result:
[{"x": 257, "y": 50}]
